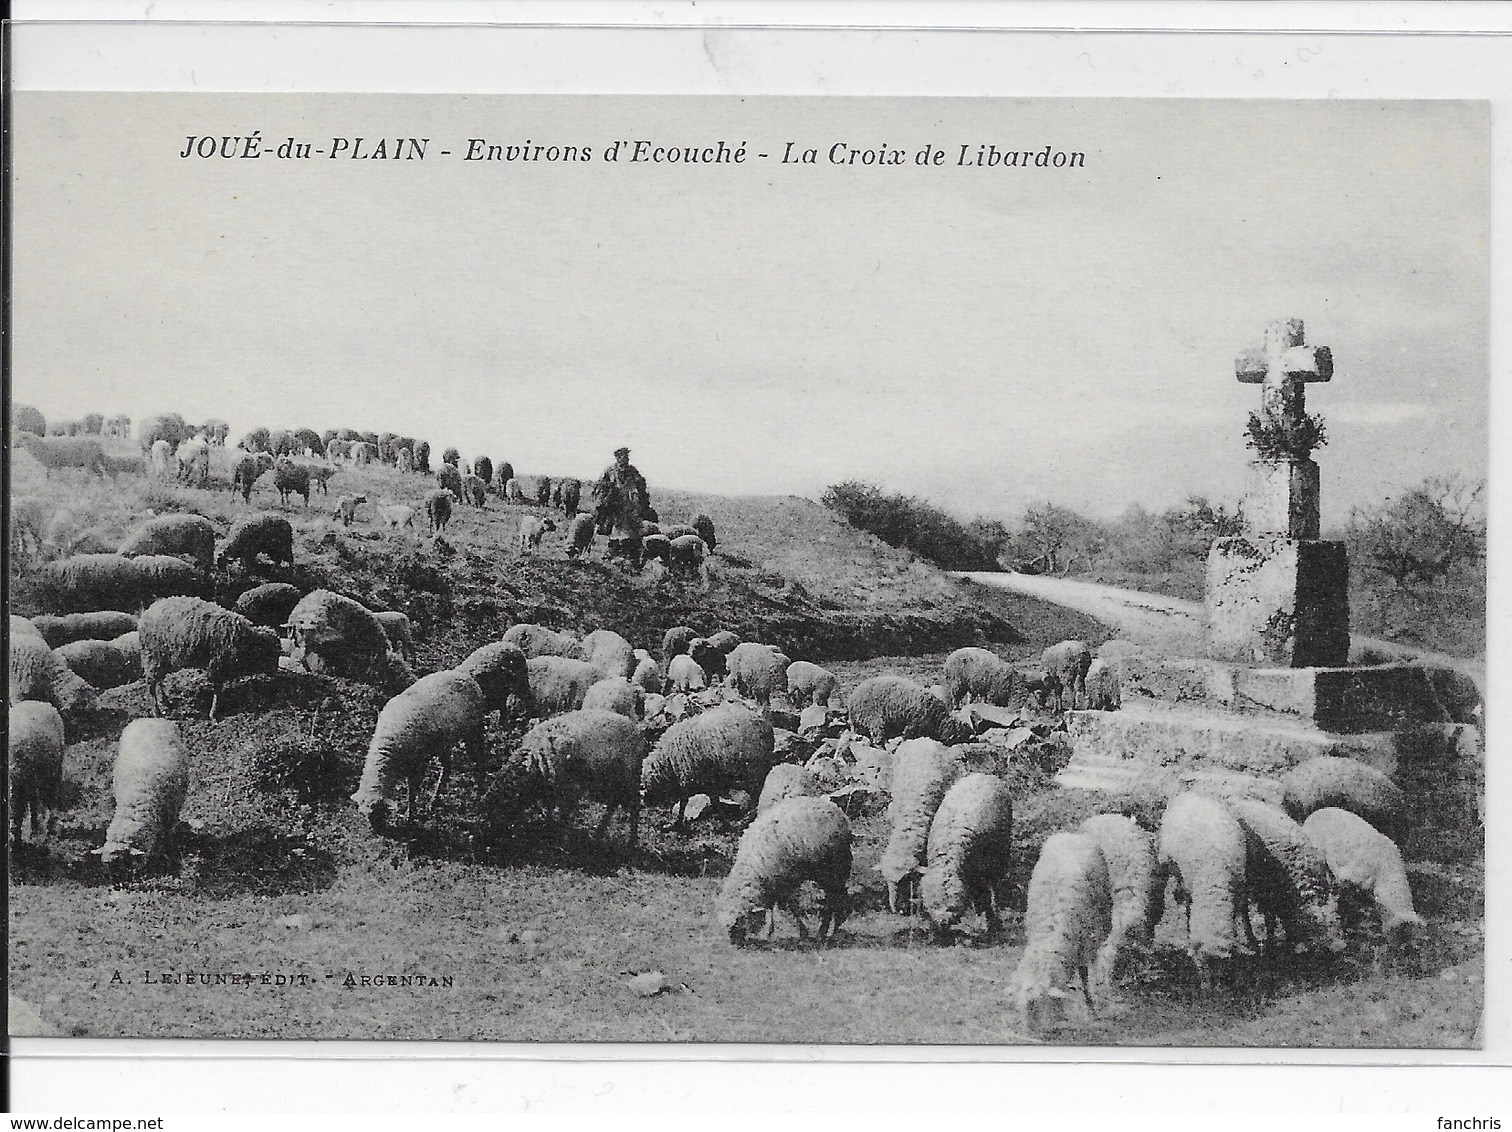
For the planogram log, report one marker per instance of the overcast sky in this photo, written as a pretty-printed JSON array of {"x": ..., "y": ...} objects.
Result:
[{"x": 983, "y": 337}]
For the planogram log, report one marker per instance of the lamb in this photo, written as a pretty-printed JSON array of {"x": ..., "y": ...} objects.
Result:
[
  {"x": 976, "y": 674},
  {"x": 708, "y": 658},
  {"x": 438, "y": 509},
  {"x": 38, "y": 673},
  {"x": 450, "y": 479},
  {"x": 263, "y": 533},
  {"x": 1368, "y": 868},
  {"x": 616, "y": 694},
  {"x": 808, "y": 683},
  {"x": 269, "y": 604},
  {"x": 726, "y": 746},
  {"x": 249, "y": 469},
  {"x": 593, "y": 754},
  {"x": 786, "y": 780},
  {"x": 289, "y": 479},
  {"x": 397, "y": 515},
  {"x": 757, "y": 672},
  {"x": 52, "y": 452},
  {"x": 923, "y": 770},
  {"x": 1202, "y": 846},
  {"x": 188, "y": 535},
  {"x": 99, "y": 626},
  {"x": 112, "y": 582},
  {"x": 536, "y": 640},
  {"x": 336, "y": 635},
  {"x": 1104, "y": 692},
  {"x": 346, "y": 508},
  {"x": 34, "y": 733},
  {"x": 186, "y": 632},
  {"x": 104, "y": 664},
  {"x": 474, "y": 490},
  {"x": 532, "y": 529},
  {"x": 969, "y": 853},
  {"x": 424, "y": 721},
  {"x": 648, "y": 674},
  {"x": 609, "y": 652},
  {"x": 703, "y": 527},
  {"x": 686, "y": 555},
  {"x": 559, "y": 683},
  {"x": 796, "y": 840},
  {"x": 885, "y": 707},
  {"x": 501, "y": 672},
  {"x": 396, "y": 626},
  {"x": 1067, "y": 917},
  {"x": 1065, "y": 674},
  {"x": 675, "y": 641},
  {"x": 580, "y": 532},
  {"x": 1347, "y": 784},
  {"x": 684, "y": 674},
  {"x": 150, "y": 782},
  {"x": 1138, "y": 889},
  {"x": 1287, "y": 877}
]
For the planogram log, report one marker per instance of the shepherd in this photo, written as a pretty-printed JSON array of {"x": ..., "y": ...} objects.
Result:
[{"x": 621, "y": 504}]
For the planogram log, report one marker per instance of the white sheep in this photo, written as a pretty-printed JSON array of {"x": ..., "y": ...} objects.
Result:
[
  {"x": 1367, "y": 865},
  {"x": 114, "y": 582},
  {"x": 533, "y": 528},
  {"x": 51, "y": 452},
  {"x": 1202, "y": 846},
  {"x": 1347, "y": 784},
  {"x": 346, "y": 508},
  {"x": 193, "y": 459},
  {"x": 396, "y": 515},
  {"x": 886, "y": 707},
  {"x": 974, "y": 674},
  {"x": 559, "y": 683},
  {"x": 1287, "y": 877},
  {"x": 1138, "y": 889},
  {"x": 648, "y": 674},
  {"x": 38, "y": 673},
  {"x": 536, "y": 640},
  {"x": 150, "y": 782},
  {"x": 22, "y": 627},
  {"x": 724, "y": 747},
  {"x": 190, "y": 535},
  {"x": 786, "y": 780},
  {"x": 421, "y": 723},
  {"x": 589, "y": 754},
  {"x": 162, "y": 452},
  {"x": 970, "y": 852},
  {"x": 923, "y": 770},
  {"x": 797, "y": 840},
  {"x": 1067, "y": 916},
  {"x": 809, "y": 683},
  {"x": 1104, "y": 691},
  {"x": 686, "y": 555},
  {"x": 105, "y": 664},
  {"x": 609, "y": 652},
  {"x": 34, "y": 732},
  {"x": 102, "y": 625},
  {"x": 396, "y": 626},
  {"x": 500, "y": 670},
  {"x": 187, "y": 632},
  {"x": 757, "y": 672},
  {"x": 1065, "y": 672},
  {"x": 685, "y": 675},
  {"x": 618, "y": 695}
]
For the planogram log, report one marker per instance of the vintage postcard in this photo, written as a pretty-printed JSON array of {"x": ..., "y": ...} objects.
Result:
[{"x": 969, "y": 572}]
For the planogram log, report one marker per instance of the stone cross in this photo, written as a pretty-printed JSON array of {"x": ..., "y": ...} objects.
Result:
[{"x": 1282, "y": 366}]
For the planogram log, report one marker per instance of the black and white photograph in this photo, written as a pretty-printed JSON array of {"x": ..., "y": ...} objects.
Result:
[{"x": 970, "y": 572}]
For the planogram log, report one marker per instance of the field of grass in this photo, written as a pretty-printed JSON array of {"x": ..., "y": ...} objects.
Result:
[{"x": 540, "y": 937}]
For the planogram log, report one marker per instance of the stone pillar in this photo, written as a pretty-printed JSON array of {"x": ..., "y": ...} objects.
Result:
[
  {"x": 1278, "y": 601},
  {"x": 1283, "y": 499}
]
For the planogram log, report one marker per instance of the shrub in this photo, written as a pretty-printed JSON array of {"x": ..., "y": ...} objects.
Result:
[
  {"x": 904, "y": 521},
  {"x": 258, "y": 440},
  {"x": 94, "y": 424},
  {"x": 27, "y": 419}
]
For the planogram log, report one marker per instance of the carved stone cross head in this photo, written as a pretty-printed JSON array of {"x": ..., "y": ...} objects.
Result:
[{"x": 1283, "y": 366}]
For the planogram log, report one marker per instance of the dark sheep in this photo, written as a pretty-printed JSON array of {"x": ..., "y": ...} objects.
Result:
[
  {"x": 186, "y": 632},
  {"x": 268, "y": 605},
  {"x": 263, "y": 533},
  {"x": 438, "y": 508}
]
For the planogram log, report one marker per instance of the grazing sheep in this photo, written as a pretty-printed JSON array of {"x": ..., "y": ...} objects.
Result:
[
  {"x": 474, "y": 490},
  {"x": 193, "y": 459},
  {"x": 796, "y": 840},
  {"x": 249, "y": 469},
  {"x": 655, "y": 547},
  {"x": 580, "y": 532},
  {"x": 346, "y": 508},
  {"x": 269, "y": 604},
  {"x": 513, "y": 492},
  {"x": 923, "y": 770},
  {"x": 537, "y": 640},
  {"x": 150, "y": 782},
  {"x": 423, "y": 722},
  {"x": 979, "y": 675},
  {"x": 336, "y": 635},
  {"x": 532, "y": 529},
  {"x": 885, "y": 707},
  {"x": 449, "y": 479},
  {"x": 684, "y": 674},
  {"x": 725, "y": 641},
  {"x": 969, "y": 853},
  {"x": 98, "y": 626},
  {"x": 616, "y": 694},
  {"x": 52, "y": 452},
  {"x": 167, "y": 427},
  {"x": 501, "y": 672},
  {"x": 1067, "y": 917},
  {"x": 708, "y": 658},
  {"x": 161, "y": 453},
  {"x": 319, "y": 471},
  {"x": 786, "y": 780},
  {"x": 289, "y": 479},
  {"x": 38, "y": 673},
  {"x": 1065, "y": 674},
  {"x": 104, "y": 664},
  {"x": 808, "y": 683},
  {"x": 609, "y": 652},
  {"x": 757, "y": 672},
  {"x": 396, "y": 626},
  {"x": 703, "y": 527},
  {"x": 589, "y": 754},
  {"x": 20, "y": 626},
  {"x": 1287, "y": 877},
  {"x": 1203, "y": 847},
  {"x": 1138, "y": 890},
  {"x": 726, "y": 746},
  {"x": 438, "y": 508},
  {"x": 186, "y": 632},
  {"x": 34, "y": 733},
  {"x": 1347, "y": 784},
  {"x": 186, "y": 535},
  {"x": 678, "y": 530},
  {"x": 163, "y": 575},
  {"x": 404, "y": 460},
  {"x": 675, "y": 641},
  {"x": 559, "y": 683},
  {"x": 648, "y": 674},
  {"x": 1104, "y": 692},
  {"x": 1367, "y": 865},
  {"x": 112, "y": 582},
  {"x": 686, "y": 555},
  {"x": 397, "y": 515},
  {"x": 262, "y": 533}
]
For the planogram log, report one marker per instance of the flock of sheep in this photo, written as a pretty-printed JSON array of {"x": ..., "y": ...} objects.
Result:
[{"x": 609, "y": 723}]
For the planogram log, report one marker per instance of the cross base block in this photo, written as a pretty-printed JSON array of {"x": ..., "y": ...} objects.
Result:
[{"x": 1281, "y": 602}]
